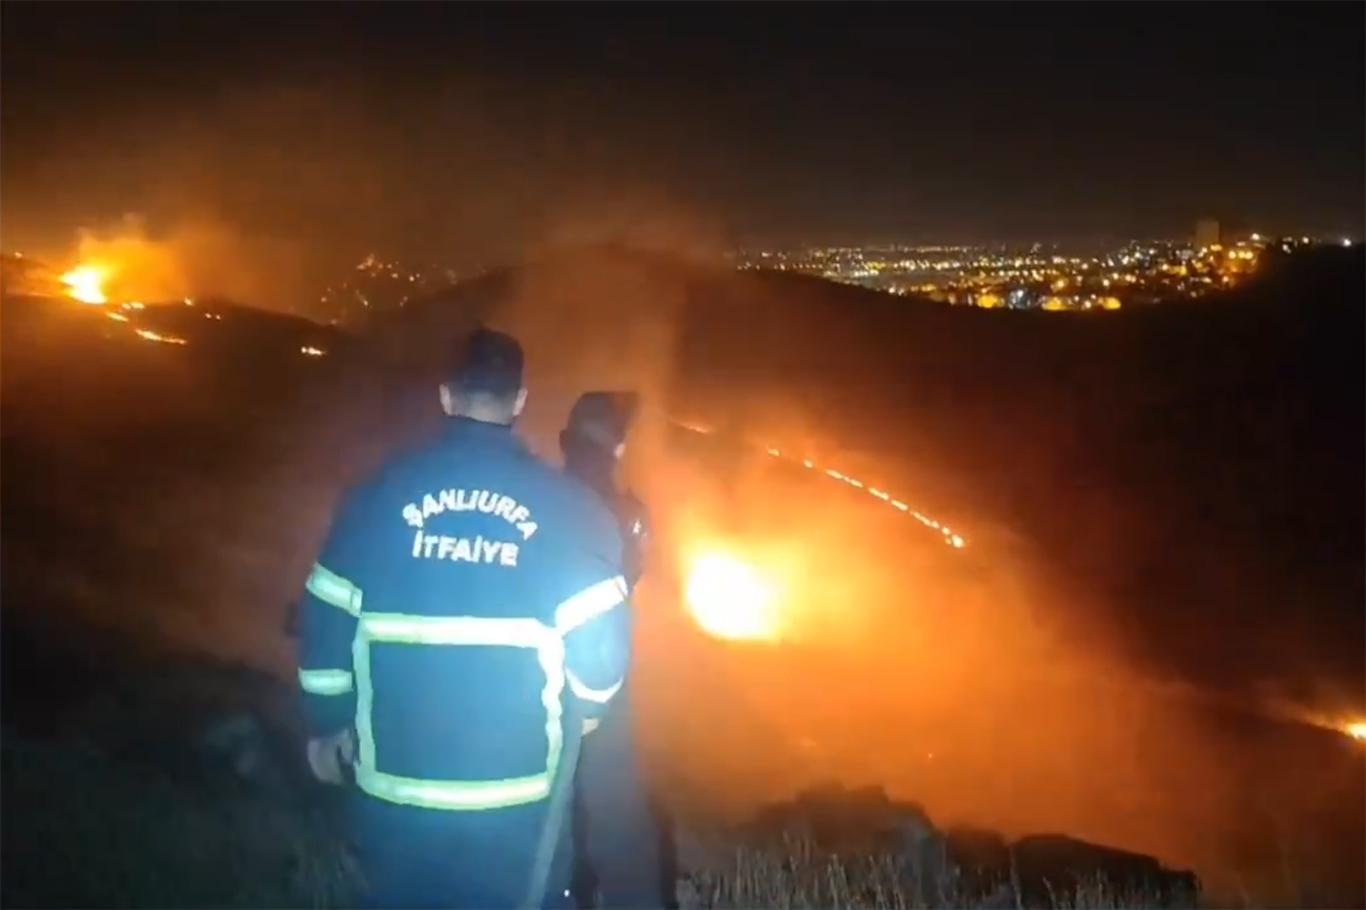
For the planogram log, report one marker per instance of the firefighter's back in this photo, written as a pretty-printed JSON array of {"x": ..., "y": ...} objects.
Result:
[{"x": 460, "y": 669}]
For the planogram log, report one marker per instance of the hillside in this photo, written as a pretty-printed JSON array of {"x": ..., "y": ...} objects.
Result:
[
  {"x": 173, "y": 496},
  {"x": 1180, "y": 484},
  {"x": 1150, "y": 452}
]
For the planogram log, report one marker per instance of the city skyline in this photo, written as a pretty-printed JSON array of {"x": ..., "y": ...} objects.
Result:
[{"x": 1033, "y": 277}]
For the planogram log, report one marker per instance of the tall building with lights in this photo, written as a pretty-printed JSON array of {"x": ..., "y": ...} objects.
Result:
[{"x": 1207, "y": 232}]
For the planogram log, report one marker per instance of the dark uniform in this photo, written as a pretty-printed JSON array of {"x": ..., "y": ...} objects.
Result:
[
  {"x": 467, "y": 614},
  {"x": 623, "y": 848}
]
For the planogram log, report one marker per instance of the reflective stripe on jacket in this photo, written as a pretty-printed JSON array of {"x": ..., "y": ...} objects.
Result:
[{"x": 464, "y": 595}]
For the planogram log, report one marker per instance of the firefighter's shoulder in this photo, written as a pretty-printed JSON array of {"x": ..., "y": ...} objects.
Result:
[
  {"x": 576, "y": 509},
  {"x": 582, "y": 530}
]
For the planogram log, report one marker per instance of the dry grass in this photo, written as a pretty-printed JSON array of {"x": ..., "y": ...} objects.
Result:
[
  {"x": 804, "y": 878},
  {"x": 83, "y": 831}
]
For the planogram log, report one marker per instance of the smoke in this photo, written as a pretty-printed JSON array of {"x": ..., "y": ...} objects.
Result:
[
  {"x": 600, "y": 305},
  {"x": 269, "y": 191},
  {"x": 943, "y": 681},
  {"x": 195, "y": 258},
  {"x": 938, "y": 687},
  {"x": 641, "y": 218},
  {"x": 911, "y": 668}
]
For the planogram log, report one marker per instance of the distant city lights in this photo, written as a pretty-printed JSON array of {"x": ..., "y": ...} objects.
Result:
[
  {"x": 1031, "y": 277},
  {"x": 1039, "y": 278}
]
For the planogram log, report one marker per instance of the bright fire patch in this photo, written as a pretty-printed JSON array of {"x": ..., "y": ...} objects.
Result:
[
  {"x": 729, "y": 600},
  {"x": 1357, "y": 730},
  {"x": 86, "y": 284}
]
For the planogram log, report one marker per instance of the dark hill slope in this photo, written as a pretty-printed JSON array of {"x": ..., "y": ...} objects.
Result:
[{"x": 1191, "y": 462}]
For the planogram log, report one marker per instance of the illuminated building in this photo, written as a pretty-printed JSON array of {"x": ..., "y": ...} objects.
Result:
[{"x": 1207, "y": 233}]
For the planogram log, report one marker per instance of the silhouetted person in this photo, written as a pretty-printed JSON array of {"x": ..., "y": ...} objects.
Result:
[
  {"x": 620, "y": 821},
  {"x": 592, "y": 445}
]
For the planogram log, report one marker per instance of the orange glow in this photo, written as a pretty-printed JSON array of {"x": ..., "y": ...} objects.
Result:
[
  {"x": 149, "y": 335},
  {"x": 730, "y": 600},
  {"x": 952, "y": 539},
  {"x": 85, "y": 283},
  {"x": 1357, "y": 730}
]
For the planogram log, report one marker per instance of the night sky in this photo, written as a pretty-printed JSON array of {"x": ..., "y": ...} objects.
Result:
[{"x": 440, "y": 129}]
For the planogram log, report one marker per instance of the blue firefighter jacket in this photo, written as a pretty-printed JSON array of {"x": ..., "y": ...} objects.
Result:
[{"x": 468, "y": 597}]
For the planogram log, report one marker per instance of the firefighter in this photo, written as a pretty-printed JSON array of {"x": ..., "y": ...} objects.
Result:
[
  {"x": 592, "y": 444},
  {"x": 465, "y": 618},
  {"x": 617, "y": 823}
]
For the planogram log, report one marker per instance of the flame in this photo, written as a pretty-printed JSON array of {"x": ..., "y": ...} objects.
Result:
[
  {"x": 86, "y": 284},
  {"x": 1356, "y": 730},
  {"x": 730, "y": 600},
  {"x": 149, "y": 335},
  {"x": 954, "y": 540}
]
